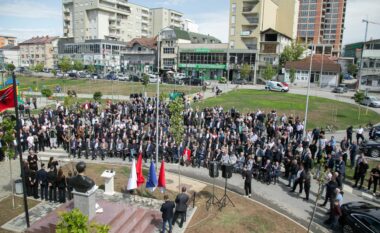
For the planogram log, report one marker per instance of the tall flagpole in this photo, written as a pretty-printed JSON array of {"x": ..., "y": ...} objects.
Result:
[{"x": 19, "y": 151}]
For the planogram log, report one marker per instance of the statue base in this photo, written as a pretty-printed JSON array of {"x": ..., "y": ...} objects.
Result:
[{"x": 86, "y": 202}]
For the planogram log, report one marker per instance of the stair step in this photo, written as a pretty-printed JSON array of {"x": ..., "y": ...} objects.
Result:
[
  {"x": 150, "y": 220},
  {"x": 119, "y": 223},
  {"x": 132, "y": 221}
]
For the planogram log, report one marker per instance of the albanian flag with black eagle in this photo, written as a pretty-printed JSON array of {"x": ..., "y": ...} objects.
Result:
[{"x": 7, "y": 99}]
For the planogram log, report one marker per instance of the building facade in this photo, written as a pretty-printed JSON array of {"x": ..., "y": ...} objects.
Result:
[
  {"x": 10, "y": 54},
  {"x": 7, "y": 40},
  {"x": 322, "y": 22},
  {"x": 39, "y": 50},
  {"x": 248, "y": 18},
  {"x": 370, "y": 72},
  {"x": 272, "y": 44},
  {"x": 324, "y": 71},
  {"x": 140, "y": 56},
  {"x": 163, "y": 17}
]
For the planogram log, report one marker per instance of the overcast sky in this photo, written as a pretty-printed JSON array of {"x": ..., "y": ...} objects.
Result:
[{"x": 27, "y": 18}]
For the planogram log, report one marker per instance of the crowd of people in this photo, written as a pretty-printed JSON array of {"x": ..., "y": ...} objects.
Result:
[{"x": 257, "y": 144}]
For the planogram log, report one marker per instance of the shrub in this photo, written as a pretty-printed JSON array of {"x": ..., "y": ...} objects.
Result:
[
  {"x": 97, "y": 96},
  {"x": 46, "y": 92}
]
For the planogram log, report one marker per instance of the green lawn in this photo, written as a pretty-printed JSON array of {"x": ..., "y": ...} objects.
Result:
[
  {"x": 86, "y": 86},
  {"x": 322, "y": 111}
]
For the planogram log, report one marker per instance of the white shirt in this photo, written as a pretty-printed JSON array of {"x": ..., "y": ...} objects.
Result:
[{"x": 360, "y": 131}]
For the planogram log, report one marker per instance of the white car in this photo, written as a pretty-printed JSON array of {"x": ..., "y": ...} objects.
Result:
[
  {"x": 122, "y": 77},
  {"x": 371, "y": 101},
  {"x": 152, "y": 78},
  {"x": 180, "y": 76}
]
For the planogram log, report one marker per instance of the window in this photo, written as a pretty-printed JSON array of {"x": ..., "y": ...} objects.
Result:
[
  {"x": 169, "y": 50},
  {"x": 233, "y": 19},
  {"x": 368, "y": 221},
  {"x": 233, "y": 8},
  {"x": 232, "y": 31}
]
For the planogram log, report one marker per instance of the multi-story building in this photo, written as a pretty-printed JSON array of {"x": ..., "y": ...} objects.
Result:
[
  {"x": 9, "y": 54},
  {"x": 190, "y": 26},
  {"x": 171, "y": 37},
  {"x": 39, "y": 50},
  {"x": 322, "y": 22},
  {"x": 140, "y": 56},
  {"x": 370, "y": 71},
  {"x": 163, "y": 17},
  {"x": 96, "y": 19},
  {"x": 7, "y": 40},
  {"x": 248, "y": 18},
  {"x": 139, "y": 22}
]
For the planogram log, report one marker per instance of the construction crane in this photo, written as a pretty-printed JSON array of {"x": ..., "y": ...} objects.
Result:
[{"x": 366, "y": 21}]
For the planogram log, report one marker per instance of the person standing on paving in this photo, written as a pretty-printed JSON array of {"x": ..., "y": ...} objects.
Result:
[
  {"x": 181, "y": 206},
  {"x": 167, "y": 213},
  {"x": 247, "y": 176}
]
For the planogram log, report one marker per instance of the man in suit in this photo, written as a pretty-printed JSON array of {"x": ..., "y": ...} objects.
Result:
[
  {"x": 167, "y": 213},
  {"x": 181, "y": 206},
  {"x": 42, "y": 178}
]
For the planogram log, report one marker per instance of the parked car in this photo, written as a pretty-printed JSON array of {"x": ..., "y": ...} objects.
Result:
[
  {"x": 360, "y": 217},
  {"x": 60, "y": 75},
  {"x": 95, "y": 76},
  {"x": 179, "y": 76},
  {"x": 374, "y": 132},
  {"x": 276, "y": 86},
  {"x": 239, "y": 81},
  {"x": 174, "y": 81},
  {"x": 371, "y": 101},
  {"x": 338, "y": 90},
  {"x": 122, "y": 77},
  {"x": 73, "y": 75},
  {"x": 370, "y": 148},
  {"x": 111, "y": 76},
  {"x": 134, "y": 78}
]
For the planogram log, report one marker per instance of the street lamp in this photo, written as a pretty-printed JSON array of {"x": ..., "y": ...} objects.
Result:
[{"x": 308, "y": 90}]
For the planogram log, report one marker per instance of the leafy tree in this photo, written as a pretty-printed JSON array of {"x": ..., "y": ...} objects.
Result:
[
  {"x": 70, "y": 102},
  {"x": 269, "y": 72},
  {"x": 39, "y": 67},
  {"x": 46, "y": 92},
  {"x": 97, "y": 96},
  {"x": 145, "y": 81},
  {"x": 292, "y": 75},
  {"x": 78, "y": 65},
  {"x": 10, "y": 67},
  {"x": 245, "y": 71},
  {"x": 352, "y": 69},
  {"x": 359, "y": 96},
  {"x": 65, "y": 64},
  {"x": 176, "y": 109},
  {"x": 54, "y": 72},
  {"x": 75, "y": 221},
  {"x": 292, "y": 52},
  {"x": 91, "y": 68}
]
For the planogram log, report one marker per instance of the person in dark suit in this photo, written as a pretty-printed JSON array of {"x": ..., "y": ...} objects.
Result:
[
  {"x": 167, "y": 210},
  {"x": 52, "y": 177},
  {"x": 247, "y": 176},
  {"x": 42, "y": 178},
  {"x": 181, "y": 206}
]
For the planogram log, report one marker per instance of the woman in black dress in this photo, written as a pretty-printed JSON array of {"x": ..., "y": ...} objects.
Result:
[{"x": 61, "y": 184}]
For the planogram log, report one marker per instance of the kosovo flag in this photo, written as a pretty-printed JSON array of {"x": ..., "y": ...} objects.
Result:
[
  {"x": 7, "y": 99},
  {"x": 152, "y": 182}
]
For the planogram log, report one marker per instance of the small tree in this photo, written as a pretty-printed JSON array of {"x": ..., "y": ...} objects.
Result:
[
  {"x": 292, "y": 52},
  {"x": 176, "y": 109},
  {"x": 352, "y": 69},
  {"x": 292, "y": 75},
  {"x": 269, "y": 72},
  {"x": 78, "y": 65},
  {"x": 245, "y": 71},
  {"x": 145, "y": 81},
  {"x": 39, "y": 67},
  {"x": 359, "y": 97},
  {"x": 46, "y": 92},
  {"x": 65, "y": 64},
  {"x": 69, "y": 102},
  {"x": 10, "y": 67},
  {"x": 98, "y": 96},
  {"x": 91, "y": 68},
  {"x": 54, "y": 72},
  {"x": 75, "y": 221}
]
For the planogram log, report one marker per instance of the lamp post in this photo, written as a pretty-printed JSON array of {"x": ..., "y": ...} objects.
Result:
[
  {"x": 158, "y": 94},
  {"x": 308, "y": 90}
]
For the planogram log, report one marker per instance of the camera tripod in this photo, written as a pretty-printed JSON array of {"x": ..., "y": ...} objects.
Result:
[
  {"x": 225, "y": 199},
  {"x": 211, "y": 200}
]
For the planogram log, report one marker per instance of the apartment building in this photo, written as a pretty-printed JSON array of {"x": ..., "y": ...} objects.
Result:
[
  {"x": 248, "y": 18},
  {"x": 7, "y": 40},
  {"x": 322, "y": 22},
  {"x": 9, "y": 54},
  {"x": 39, "y": 50},
  {"x": 163, "y": 17}
]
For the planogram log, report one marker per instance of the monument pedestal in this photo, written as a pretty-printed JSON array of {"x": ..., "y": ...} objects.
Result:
[
  {"x": 108, "y": 182},
  {"x": 86, "y": 202}
]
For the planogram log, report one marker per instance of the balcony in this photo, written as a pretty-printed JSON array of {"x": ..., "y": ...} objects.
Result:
[
  {"x": 245, "y": 33},
  {"x": 67, "y": 18},
  {"x": 67, "y": 1},
  {"x": 66, "y": 11},
  {"x": 252, "y": 21}
]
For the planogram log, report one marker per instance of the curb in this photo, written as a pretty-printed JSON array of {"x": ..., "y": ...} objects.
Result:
[{"x": 363, "y": 194}]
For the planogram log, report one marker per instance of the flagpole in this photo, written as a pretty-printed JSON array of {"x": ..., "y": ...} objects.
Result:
[{"x": 19, "y": 151}]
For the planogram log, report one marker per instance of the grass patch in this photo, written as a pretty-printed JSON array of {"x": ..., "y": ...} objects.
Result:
[
  {"x": 7, "y": 212},
  {"x": 87, "y": 86},
  {"x": 350, "y": 172},
  {"x": 322, "y": 111}
]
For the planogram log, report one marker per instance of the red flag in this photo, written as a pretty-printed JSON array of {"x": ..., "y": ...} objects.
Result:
[
  {"x": 161, "y": 178},
  {"x": 7, "y": 99},
  {"x": 187, "y": 154},
  {"x": 140, "y": 176}
]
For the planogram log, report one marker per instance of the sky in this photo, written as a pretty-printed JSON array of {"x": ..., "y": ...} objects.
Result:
[{"x": 27, "y": 18}]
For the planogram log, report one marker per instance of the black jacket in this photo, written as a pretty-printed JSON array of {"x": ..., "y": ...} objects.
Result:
[
  {"x": 181, "y": 202},
  {"x": 42, "y": 177},
  {"x": 167, "y": 210}
]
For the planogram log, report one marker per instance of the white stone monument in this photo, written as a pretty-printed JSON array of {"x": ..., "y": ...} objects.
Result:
[
  {"x": 108, "y": 182},
  {"x": 86, "y": 202}
]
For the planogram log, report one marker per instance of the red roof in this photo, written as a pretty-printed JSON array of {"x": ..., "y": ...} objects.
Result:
[
  {"x": 145, "y": 42},
  {"x": 304, "y": 64},
  {"x": 39, "y": 40}
]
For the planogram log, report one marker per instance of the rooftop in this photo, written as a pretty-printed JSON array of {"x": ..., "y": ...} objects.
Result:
[
  {"x": 195, "y": 38},
  {"x": 9, "y": 37},
  {"x": 10, "y": 47},
  {"x": 304, "y": 64},
  {"x": 39, "y": 40},
  {"x": 145, "y": 42}
]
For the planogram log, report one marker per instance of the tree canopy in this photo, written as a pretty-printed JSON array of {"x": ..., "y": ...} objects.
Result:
[
  {"x": 292, "y": 52},
  {"x": 269, "y": 72},
  {"x": 245, "y": 71},
  {"x": 65, "y": 64}
]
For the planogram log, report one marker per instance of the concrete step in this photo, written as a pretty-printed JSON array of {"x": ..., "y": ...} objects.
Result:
[
  {"x": 132, "y": 222},
  {"x": 118, "y": 223},
  {"x": 149, "y": 223}
]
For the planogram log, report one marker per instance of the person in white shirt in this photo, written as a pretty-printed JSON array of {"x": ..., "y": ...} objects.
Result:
[
  {"x": 359, "y": 134},
  {"x": 30, "y": 140}
]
